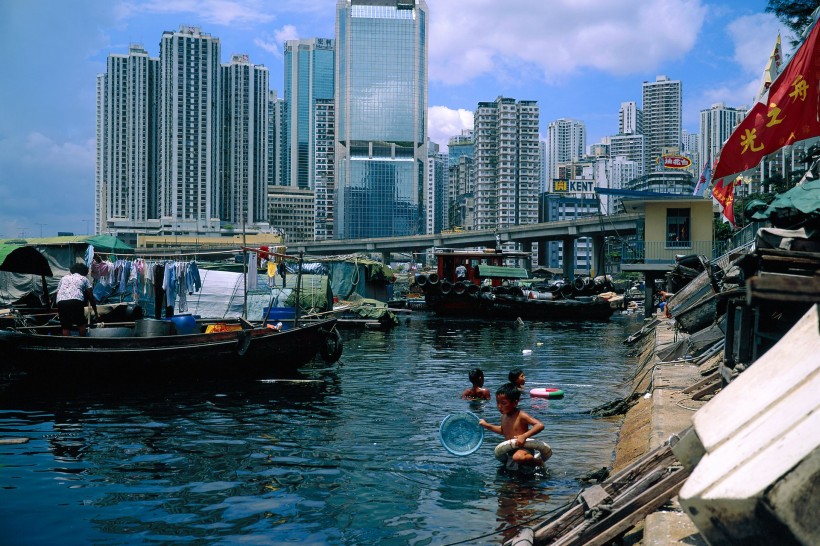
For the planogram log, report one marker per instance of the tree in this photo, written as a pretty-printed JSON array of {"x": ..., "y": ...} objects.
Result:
[{"x": 795, "y": 14}]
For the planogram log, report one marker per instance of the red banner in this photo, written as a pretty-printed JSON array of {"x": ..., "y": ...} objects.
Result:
[
  {"x": 725, "y": 195},
  {"x": 790, "y": 114}
]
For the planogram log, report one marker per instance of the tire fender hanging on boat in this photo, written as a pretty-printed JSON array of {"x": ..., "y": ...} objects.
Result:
[
  {"x": 243, "y": 342},
  {"x": 508, "y": 446},
  {"x": 331, "y": 349}
]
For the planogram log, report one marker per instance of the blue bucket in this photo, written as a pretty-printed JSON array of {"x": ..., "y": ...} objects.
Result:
[{"x": 285, "y": 315}]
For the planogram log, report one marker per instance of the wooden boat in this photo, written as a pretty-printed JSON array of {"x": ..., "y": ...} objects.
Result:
[
  {"x": 180, "y": 346},
  {"x": 150, "y": 348},
  {"x": 487, "y": 290}
]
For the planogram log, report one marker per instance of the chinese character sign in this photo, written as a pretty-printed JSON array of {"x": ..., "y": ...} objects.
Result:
[{"x": 790, "y": 114}]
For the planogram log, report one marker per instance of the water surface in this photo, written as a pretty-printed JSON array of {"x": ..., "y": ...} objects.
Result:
[{"x": 345, "y": 453}]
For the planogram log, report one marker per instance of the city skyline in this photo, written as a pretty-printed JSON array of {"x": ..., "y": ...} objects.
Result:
[{"x": 717, "y": 50}]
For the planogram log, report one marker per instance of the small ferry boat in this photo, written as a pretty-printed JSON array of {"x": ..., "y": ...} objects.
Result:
[{"x": 483, "y": 284}]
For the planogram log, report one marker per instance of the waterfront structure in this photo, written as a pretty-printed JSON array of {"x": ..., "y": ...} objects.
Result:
[
  {"x": 291, "y": 212},
  {"x": 435, "y": 191},
  {"x": 243, "y": 199},
  {"x": 566, "y": 141},
  {"x": 324, "y": 154},
  {"x": 381, "y": 117},
  {"x": 716, "y": 125},
  {"x": 506, "y": 163},
  {"x": 309, "y": 75},
  {"x": 189, "y": 136},
  {"x": 126, "y": 173},
  {"x": 662, "y": 119}
]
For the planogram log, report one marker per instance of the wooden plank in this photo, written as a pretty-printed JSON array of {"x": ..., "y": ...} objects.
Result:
[
  {"x": 773, "y": 287},
  {"x": 706, "y": 391},
  {"x": 714, "y": 376}
]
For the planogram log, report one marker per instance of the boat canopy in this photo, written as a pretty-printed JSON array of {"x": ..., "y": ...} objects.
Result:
[
  {"x": 23, "y": 259},
  {"x": 502, "y": 272}
]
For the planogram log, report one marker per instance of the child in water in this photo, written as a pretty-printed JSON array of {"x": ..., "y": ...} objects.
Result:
[
  {"x": 516, "y": 425},
  {"x": 477, "y": 391},
  {"x": 518, "y": 378}
]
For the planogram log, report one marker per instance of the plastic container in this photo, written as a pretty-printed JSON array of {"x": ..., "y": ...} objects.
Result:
[
  {"x": 149, "y": 327},
  {"x": 285, "y": 315},
  {"x": 184, "y": 324}
]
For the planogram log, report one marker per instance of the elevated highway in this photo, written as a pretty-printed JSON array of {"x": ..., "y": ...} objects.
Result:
[{"x": 597, "y": 227}]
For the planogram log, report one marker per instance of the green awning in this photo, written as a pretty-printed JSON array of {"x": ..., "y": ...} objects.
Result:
[{"x": 502, "y": 272}]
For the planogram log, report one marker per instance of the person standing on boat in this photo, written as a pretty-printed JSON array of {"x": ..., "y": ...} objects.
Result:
[
  {"x": 461, "y": 272},
  {"x": 72, "y": 293}
]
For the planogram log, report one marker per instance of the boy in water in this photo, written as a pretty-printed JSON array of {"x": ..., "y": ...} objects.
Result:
[
  {"x": 518, "y": 378},
  {"x": 516, "y": 425},
  {"x": 477, "y": 391}
]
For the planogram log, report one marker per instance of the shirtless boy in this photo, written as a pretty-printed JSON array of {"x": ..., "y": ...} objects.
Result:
[
  {"x": 516, "y": 424},
  {"x": 477, "y": 391}
]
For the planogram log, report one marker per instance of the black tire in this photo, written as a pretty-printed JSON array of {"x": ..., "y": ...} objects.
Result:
[
  {"x": 331, "y": 349},
  {"x": 243, "y": 342},
  {"x": 446, "y": 287}
]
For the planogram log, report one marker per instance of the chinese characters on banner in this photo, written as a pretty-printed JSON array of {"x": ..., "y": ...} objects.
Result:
[
  {"x": 725, "y": 195},
  {"x": 791, "y": 113}
]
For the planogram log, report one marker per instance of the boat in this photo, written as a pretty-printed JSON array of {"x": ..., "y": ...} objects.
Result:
[
  {"x": 489, "y": 288},
  {"x": 183, "y": 345},
  {"x": 152, "y": 348}
]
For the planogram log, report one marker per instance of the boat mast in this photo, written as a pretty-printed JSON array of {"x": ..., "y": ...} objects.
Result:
[{"x": 244, "y": 273}]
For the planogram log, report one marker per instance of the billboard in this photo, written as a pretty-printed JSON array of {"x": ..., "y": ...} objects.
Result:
[{"x": 573, "y": 186}]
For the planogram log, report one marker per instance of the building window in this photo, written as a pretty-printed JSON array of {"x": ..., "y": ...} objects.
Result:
[{"x": 677, "y": 228}]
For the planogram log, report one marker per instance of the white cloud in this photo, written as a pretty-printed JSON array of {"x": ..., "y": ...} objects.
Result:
[
  {"x": 754, "y": 38},
  {"x": 444, "y": 123},
  {"x": 274, "y": 45},
  {"x": 559, "y": 37}
]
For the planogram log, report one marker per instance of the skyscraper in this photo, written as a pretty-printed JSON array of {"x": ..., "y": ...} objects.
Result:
[
  {"x": 506, "y": 163},
  {"x": 662, "y": 123},
  {"x": 381, "y": 117},
  {"x": 716, "y": 125},
  {"x": 244, "y": 135},
  {"x": 309, "y": 75},
  {"x": 189, "y": 140},
  {"x": 630, "y": 119},
  {"x": 126, "y": 170},
  {"x": 566, "y": 141}
]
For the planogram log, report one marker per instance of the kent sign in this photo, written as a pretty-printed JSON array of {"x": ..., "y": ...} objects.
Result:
[{"x": 573, "y": 186}]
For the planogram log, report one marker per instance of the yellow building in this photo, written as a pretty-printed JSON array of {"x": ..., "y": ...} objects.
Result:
[{"x": 673, "y": 226}]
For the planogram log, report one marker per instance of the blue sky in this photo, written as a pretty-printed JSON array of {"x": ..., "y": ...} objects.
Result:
[{"x": 578, "y": 58}]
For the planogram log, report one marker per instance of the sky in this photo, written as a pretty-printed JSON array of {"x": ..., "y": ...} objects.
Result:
[{"x": 580, "y": 59}]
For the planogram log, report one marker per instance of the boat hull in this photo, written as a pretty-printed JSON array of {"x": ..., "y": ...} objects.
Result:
[
  {"x": 240, "y": 353},
  {"x": 494, "y": 306}
]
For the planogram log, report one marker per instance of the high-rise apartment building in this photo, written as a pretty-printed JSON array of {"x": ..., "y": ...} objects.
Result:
[
  {"x": 244, "y": 136},
  {"x": 630, "y": 119},
  {"x": 126, "y": 159},
  {"x": 309, "y": 74},
  {"x": 506, "y": 163},
  {"x": 629, "y": 147},
  {"x": 435, "y": 191},
  {"x": 716, "y": 125},
  {"x": 189, "y": 138},
  {"x": 324, "y": 154},
  {"x": 276, "y": 113},
  {"x": 381, "y": 117},
  {"x": 662, "y": 118},
  {"x": 566, "y": 141}
]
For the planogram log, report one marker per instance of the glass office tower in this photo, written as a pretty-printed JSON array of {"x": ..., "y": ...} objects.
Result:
[
  {"x": 308, "y": 79},
  {"x": 381, "y": 117}
]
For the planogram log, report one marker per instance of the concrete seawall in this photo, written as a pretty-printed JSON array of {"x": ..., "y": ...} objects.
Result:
[{"x": 663, "y": 411}]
